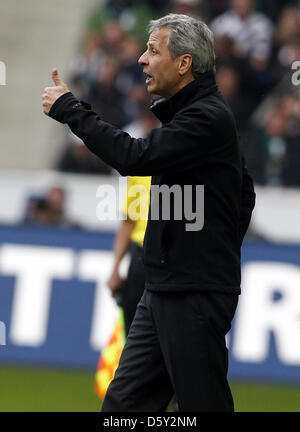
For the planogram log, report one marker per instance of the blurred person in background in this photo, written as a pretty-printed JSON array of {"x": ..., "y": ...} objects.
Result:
[
  {"x": 112, "y": 80},
  {"x": 104, "y": 94},
  {"x": 85, "y": 64},
  {"x": 290, "y": 106},
  {"x": 100, "y": 49},
  {"x": 273, "y": 8},
  {"x": 226, "y": 57},
  {"x": 48, "y": 210},
  {"x": 239, "y": 83},
  {"x": 265, "y": 147},
  {"x": 130, "y": 79},
  {"x": 251, "y": 31},
  {"x": 144, "y": 122},
  {"x": 132, "y": 15},
  {"x": 273, "y": 140},
  {"x": 228, "y": 81},
  {"x": 112, "y": 37},
  {"x": 193, "y": 8},
  {"x": 243, "y": 41},
  {"x": 76, "y": 158},
  {"x": 286, "y": 48},
  {"x": 288, "y": 27},
  {"x": 272, "y": 150}
]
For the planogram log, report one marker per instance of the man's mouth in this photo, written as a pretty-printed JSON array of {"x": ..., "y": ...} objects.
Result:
[{"x": 148, "y": 78}]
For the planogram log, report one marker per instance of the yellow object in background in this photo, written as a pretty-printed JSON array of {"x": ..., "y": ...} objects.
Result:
[
  {"x": 110, "y": 357},
  {"x": 137, "y": 203}
]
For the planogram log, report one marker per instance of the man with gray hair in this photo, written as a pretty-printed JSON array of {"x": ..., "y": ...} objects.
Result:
[{"x": 176, "y": 343}]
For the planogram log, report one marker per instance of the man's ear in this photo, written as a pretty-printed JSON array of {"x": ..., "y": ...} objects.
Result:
[{"x": 185, "y": 64}]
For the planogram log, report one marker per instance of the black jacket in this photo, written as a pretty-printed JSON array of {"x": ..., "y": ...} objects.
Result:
[{"x": 196, "y": 145}]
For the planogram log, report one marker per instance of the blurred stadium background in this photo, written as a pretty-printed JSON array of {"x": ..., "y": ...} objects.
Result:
[{"x": 56, "y": 311}]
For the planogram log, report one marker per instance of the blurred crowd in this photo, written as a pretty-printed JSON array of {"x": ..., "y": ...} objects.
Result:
[{"x": 256, "y": 43}]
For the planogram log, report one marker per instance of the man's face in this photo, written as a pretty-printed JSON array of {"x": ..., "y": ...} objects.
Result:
[{"x": 162, "y": 71}]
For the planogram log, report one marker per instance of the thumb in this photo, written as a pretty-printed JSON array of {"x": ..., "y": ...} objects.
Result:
[{"x": 55, "y": 77}]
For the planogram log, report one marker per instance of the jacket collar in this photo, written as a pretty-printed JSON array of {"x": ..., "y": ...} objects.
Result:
[{"x": 165, "y": 109}]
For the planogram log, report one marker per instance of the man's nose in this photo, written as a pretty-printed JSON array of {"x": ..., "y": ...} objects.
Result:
[{"x": 143, "y": 59}]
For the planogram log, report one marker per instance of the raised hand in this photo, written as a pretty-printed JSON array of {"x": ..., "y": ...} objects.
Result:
[{"x": 51, "y": 94}]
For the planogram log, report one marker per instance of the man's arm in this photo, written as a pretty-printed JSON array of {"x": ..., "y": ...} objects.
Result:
[
  {"x": 247, "y": 203},
  {"x": 175, "y": 147},
  {"x": 121, "y": 246},
  {"x": 178, "y": 146}
]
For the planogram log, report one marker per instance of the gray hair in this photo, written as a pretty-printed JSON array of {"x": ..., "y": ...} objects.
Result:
[{"x": 189, "y": 36}]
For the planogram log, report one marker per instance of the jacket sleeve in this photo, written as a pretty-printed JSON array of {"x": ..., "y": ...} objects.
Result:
[
  {"x": 172, "y": 148},
  {"x": 247, "y": 202}
]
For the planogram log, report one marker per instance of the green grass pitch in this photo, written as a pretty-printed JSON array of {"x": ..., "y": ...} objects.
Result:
[{"x": 35, "y": 389}]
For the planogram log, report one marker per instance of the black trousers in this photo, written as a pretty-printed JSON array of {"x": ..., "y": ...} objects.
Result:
[{"x": 176, "y": 345}]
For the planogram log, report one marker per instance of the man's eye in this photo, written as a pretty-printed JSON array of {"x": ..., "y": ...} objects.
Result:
[{"x": 153, "y": 51}]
